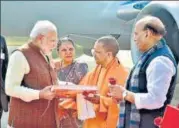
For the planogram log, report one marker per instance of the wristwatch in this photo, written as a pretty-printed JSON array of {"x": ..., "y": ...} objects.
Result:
[{"x": 124, "y": 94}]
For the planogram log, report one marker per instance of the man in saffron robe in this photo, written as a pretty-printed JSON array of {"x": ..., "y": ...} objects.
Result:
[{"x": 104, "y": 52}]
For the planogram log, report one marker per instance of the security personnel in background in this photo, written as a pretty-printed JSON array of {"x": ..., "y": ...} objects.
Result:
[{"x": 3, "y": 63}]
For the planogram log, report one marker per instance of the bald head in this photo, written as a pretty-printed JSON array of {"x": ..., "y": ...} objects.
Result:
[
  {"x": 153, "y": 24},
  {"x": 110, "y": 44}
]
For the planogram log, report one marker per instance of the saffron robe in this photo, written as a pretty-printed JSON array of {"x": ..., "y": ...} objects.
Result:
[{"x": 107, "y": 111}]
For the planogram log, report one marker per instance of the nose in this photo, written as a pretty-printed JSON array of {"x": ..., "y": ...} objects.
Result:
[
  {"x": 68, "y": 52},
  {"x": 54, "y": 44},
  {"x": 134, "y": 38}
]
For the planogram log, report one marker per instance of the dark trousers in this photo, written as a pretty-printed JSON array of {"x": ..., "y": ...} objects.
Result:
[{"x": 4, "y": 99}]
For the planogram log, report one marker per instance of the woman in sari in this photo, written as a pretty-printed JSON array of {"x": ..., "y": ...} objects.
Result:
[{"x": 72, "y": 71}]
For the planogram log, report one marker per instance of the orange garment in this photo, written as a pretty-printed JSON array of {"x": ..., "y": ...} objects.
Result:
[
  {"x": 69, "y": 103},
  {"x": 107, "y": 112}
]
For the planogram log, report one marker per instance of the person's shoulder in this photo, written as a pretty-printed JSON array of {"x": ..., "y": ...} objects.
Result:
[
  {"x": 18, "y": 50},
  {"x": 81, "y": 63},
  {"x": 17, "y": 57},
  {"x": 81, "y": 67},
  {"x": 120, "y": 68},
  {"x": 23, "y": 47},
  {"x": 119, "y": 65},
  {"x": 17, "y": 53},
  {"x": 162, "y": 64},
  {"x": 162, "y": 60},
  {"x": 2, "y": 38}
]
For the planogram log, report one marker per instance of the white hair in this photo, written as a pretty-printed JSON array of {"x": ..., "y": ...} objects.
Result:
[{"x": 42, "y": 27}]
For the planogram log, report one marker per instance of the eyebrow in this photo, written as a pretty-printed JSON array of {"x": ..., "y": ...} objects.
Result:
[{"x": 66, "y": 48}]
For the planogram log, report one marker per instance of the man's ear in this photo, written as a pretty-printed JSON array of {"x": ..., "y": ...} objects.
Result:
[
  {"x": 40, "y": 37},
  {"x": 148, "y": 33},
  {"x": 109, "y": 53}
]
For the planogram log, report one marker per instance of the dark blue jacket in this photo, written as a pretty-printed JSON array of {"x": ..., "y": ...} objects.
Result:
[{"x": 148, "y": 116}]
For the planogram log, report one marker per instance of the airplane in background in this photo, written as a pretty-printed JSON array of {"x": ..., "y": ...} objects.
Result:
[{"x": 85, "y": 21}]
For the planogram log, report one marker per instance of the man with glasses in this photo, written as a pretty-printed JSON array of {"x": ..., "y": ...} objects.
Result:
[
  {"x": 108, "y": 66},
  {"x": 151, "y": 83},
  {"x": 29, "y": 80}
]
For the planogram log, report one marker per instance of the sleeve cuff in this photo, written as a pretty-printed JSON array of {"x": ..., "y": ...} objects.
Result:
[
  {"x": 30, "y": 95},
  {"x": 137, "y": 100},
  {"x": 36, "y": 94}
]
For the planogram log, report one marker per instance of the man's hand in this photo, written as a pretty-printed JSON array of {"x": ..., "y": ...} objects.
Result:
[
  {"x": 116, "y": 92},
  {"x": 62, "y": 94},
  {"x": 86, "y": 93},
  {"x": 46, "y": 93},
  {"x": 94, "y": 98}
]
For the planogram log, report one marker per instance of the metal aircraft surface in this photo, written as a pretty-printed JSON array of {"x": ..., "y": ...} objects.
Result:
[{"x": 85, "y": 21}]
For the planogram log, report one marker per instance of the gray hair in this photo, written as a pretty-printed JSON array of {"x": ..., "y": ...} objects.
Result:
[
  {"x": 63, "y": 40},
  {"x": 154, "y": 24},
  {"x": 110, "y": 44},
  {"x": 42, "y": 27}
]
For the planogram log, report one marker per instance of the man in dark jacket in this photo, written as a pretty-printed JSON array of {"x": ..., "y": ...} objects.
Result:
[
  {"x": 151, "y": 83},
  {"x": 4, "y": 63}
]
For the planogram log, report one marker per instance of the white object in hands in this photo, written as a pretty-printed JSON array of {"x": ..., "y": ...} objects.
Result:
[
  {"x": 84, "y": 108},
  {"x": 74, "y": 87}
]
